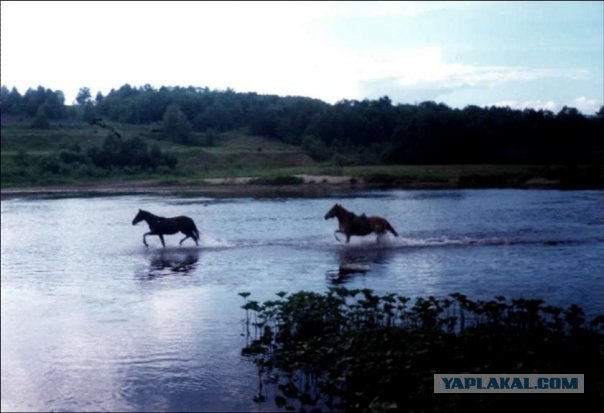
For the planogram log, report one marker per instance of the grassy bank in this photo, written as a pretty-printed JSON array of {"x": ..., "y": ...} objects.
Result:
[{"x": 224, "y": 156}]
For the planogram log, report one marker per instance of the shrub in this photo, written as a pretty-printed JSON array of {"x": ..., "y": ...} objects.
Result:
[
  {"x": 278, "y": 180},
  {"x": 117, "y": 153},
  {"x": 41, "y": 119},
  {"x": 316, "y": 148},
  {"x": 352, "y": 350},
  {"x": 22, "y": 159}
]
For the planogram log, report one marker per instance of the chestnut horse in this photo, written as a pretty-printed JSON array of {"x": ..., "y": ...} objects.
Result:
[
  {"x": 351, "y": 224},
  {"x": 161, "y": 226}
]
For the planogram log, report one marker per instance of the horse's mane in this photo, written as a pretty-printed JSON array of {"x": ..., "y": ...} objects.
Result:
[
  {"x": 339, "y": 207},
  {"x": 149, "y": 214},
  {"x": 347, "y": 212}
]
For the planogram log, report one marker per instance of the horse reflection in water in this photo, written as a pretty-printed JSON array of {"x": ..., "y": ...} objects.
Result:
[
  {"x": 173, "y": 261},
  {"x": 358, "y": 260}
]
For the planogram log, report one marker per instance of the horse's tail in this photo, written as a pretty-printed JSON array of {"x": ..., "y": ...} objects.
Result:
[
  {"x": 195, "y": 232},
  {"x": 389, "y": 228}
]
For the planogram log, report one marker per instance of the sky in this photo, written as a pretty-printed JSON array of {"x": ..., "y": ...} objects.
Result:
[{"x": 517, "y": 54}]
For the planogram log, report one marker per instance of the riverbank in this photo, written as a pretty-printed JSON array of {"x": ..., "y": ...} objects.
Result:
[{"x": 297, "y": 185}]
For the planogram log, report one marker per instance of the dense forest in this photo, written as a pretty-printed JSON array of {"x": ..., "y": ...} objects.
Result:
[{"x": 364, "y": 132}]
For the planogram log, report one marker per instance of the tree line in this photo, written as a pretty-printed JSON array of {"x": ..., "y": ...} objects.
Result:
[{"x": 349, "y": 131}]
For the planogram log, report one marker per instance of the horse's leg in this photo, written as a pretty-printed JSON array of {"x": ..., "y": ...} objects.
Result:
[
  {"x": 347, "y": 238},
  {"x": 183, "y": 240},
  {"x": 145, "y": 236},
  {"x": 336, "y": 236},
  {"x": 161, "y": 237}
]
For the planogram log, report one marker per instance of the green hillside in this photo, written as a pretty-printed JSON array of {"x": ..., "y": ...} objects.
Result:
[
  {"x": 231, "y": 154},
  {"x": 59, "y": 156},
  {"x": 188, "y": 134}
]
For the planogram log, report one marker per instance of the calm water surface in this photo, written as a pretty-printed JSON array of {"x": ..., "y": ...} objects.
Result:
[{"x": 93, "y": 320}]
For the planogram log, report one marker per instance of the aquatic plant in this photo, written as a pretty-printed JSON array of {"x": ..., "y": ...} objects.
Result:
[{"x": 354, "y": 350}]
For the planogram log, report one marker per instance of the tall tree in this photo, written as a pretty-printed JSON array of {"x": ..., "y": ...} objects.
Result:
[
  {"x": 175, "y": 125},
  {"x": 41, "y": 119},
  {"x": 84, "y": 96}
]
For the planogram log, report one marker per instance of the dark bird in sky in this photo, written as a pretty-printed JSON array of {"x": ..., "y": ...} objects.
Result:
[{"x": 102, "y": 124}]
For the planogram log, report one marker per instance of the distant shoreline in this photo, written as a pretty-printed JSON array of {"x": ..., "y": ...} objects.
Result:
[{"x": 243, "y": 186}]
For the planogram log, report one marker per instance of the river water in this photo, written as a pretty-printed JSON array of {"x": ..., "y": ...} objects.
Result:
[{"x": 93, "y": 320}]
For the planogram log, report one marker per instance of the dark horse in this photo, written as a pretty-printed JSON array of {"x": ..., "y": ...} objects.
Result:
[
  {"x": 351, "y": 224},
  {"x": 161, "y": 226}
]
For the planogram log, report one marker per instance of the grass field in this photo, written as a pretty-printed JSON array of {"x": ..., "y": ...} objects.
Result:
[
  {"x": 235, "y": 154},
  {"x": 232, "y": 155}
]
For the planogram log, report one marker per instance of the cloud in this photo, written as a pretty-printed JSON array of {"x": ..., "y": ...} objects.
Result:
[
  {"x": 587, "y": 105},
  {"x": 583, "y": 104},
  {"x": 529, "y": 104},
  {"x": 277, "y": 48},
  {"x": 427, "y": 68},
  {"x": 422, "y": 74},
  {"x": 353, "y": 9}
]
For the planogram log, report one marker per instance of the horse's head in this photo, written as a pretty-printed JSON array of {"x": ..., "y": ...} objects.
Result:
[
  {"x": 139, "y": 217},
  {"x": 333, "y": 211}
]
